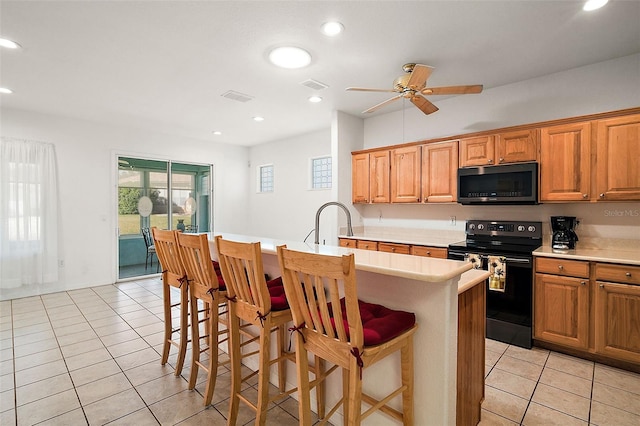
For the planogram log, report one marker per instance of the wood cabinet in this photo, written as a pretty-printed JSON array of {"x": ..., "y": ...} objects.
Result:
[
  {"x": 565, "y": 162},
  {"x": 370, "y": 177},
  {"x": 617, "y": 311},
  {"x": 405, "y": 175},
  {"x": 367, "y": 245},
  {"x": 394, "y": 248},
  {"x": 425, "y": 251},
  {"x": 439, "y": 172},
  {"x": 618, "y": 159},
  {"x": 348, "y": 242},
  {"x": 478, "y": 151},
  {"x": 501, "y": 148}
]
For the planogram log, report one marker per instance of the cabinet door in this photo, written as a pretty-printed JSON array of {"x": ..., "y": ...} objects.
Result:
[
  {"x": 618, "y": 159},
  {"x": 439, "y": 172},
  {"x": 478, "y": 151},
  {"x": 347, "y": 242},
  {"x": 565, "y": 162},
  {"x": 561, "y": 310},
  {"x": 367, "y": 245},
  {"x": 360, "y": 178},
  {"x": 405, "y": 175},
  {"x": 513, "y": 147},
  {"x": 617, "y": 320},
  {"x": 379, "y": 177}
]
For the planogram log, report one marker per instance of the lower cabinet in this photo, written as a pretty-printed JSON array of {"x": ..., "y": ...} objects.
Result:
[
  {"x": 593, "y": 307},
  {"x": 367, "y": 245},
  {"x": 394, "y": 248},
  {"x": 424, "y": 251}
]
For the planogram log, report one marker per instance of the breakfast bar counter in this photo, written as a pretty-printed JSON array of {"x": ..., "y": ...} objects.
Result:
[{"x": 430, "y": 288}]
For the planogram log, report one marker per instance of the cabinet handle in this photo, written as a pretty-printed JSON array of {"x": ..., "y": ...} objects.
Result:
[
  {"x": 628, "y": 274},
  {"x": 502, "y": 160},
  {"x": 584, "y": 195},
  {"x": 393, "y": 249},
  {"x": 602, "y": 195},
  {"x": 601, "y": 285},
  {"x": 490, "y": 160},
  {"x": 560, "y": 267},
  {"x": 582, "y": 283},
  {"x": 428, "y": 253}
]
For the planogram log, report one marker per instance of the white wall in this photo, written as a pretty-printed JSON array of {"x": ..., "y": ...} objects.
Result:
[
  {"x": 605, "y": 86},
  {"x": 86, "y": 175},
  {"x": 289, "y": 211}
]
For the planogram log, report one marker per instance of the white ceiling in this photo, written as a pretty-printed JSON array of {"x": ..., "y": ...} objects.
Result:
[{"x": 164, "y": 65}]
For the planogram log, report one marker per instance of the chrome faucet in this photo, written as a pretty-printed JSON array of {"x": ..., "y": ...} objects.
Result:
[{"x": 332, "y": 203}]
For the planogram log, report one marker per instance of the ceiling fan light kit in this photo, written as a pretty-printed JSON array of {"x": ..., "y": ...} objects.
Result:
[{"x": 412, "y": 86}]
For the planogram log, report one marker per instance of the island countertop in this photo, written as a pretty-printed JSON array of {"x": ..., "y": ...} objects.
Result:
[{"x": 398, "y": 265}]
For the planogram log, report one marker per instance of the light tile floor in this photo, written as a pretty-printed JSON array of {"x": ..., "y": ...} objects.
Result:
[{"x": 91, "y": 356}]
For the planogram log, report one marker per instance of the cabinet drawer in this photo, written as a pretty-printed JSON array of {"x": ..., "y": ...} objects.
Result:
[
  {"x": 367, "y": 245},
  {"x": 437, "y": 252},
  {"x": 626, "y": 274},
  {"x": 394, "y": 248},
  {"x": 346, "y": 242},
  {"x": 572, "y": 268}
]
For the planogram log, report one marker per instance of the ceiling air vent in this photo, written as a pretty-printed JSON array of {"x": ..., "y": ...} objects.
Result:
[
  {"x": 313, "y": 84},
  {"x": 236, "y": 96}
]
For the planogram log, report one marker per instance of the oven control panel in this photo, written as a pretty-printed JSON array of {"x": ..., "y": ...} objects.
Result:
[{"x": 505, "y": 228}]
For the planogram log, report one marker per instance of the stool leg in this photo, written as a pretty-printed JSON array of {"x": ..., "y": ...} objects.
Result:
[
  {"x": 320, "y": 392},
  {"x": 184, "y": 325},
  {"x": 166, "y": 297},
  {"x": 302, "y": 362},
  {"x": 195, "y": 342},
  {"x": 406, "y": 366},
  {"x": 213, "y": 353},
  {"x": 345, "y": 396},
  {"x": 282, "y": 364},
  {"x": 354, "y": 399},
  {"x": 263, "y": 372},
  {"x": 236, "y": 365}
]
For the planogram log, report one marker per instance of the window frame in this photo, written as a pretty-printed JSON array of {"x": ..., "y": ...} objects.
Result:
[
  {"x": 312, "y": 171},
  {"x": 260, "y": 182}
]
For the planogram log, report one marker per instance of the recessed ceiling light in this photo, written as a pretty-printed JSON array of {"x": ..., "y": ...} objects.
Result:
[
  {"x": 4, "y": 42},
  {"x": 217, "y": 132},
  {"x": 315, "y": 99},
  {"x": 594, "y": 4},
  {"x": 290, "y": 57},
  {"x": 5, "y": 90},
  {"x": 332, "y": 28},
  {"x": 258, "y": 118}
]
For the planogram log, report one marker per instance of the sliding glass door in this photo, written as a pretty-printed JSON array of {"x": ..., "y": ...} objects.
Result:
[{"x": 162, "y": 194}]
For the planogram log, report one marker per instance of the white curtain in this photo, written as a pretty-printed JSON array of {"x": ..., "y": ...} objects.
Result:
[{"x": 28, "y": 213}]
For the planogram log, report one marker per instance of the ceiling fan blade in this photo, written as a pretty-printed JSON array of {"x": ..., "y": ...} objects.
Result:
[
  {"x": 381, "y": 104},
  {"x": 419, "y": 76},
  {"x": 452, "y": 90},
  {"x": 424, "y": 104},
  {"x": 365, "y": 89}
]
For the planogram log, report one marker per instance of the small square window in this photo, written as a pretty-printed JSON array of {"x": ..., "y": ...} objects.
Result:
[
  {"x": 321, "y": 173},
  {"x": 266, "y": 178}
]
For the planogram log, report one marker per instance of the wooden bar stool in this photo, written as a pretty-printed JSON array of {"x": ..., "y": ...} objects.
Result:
[
  {"x": 346, "y": 332},
  {"x": 262, "y": 304},
  {"x": 173, "y": 275},
  {"x": 206, "y": 288}
]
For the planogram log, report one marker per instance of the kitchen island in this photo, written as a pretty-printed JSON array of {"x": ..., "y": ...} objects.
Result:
[{"x": 430, "y": 288}]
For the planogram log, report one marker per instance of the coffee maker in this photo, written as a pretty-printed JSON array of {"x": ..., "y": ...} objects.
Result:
[{"x": 564, "y": 237}]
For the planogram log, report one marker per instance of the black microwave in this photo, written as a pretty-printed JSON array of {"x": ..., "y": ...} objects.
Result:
[{"x": 502, "y": 184}]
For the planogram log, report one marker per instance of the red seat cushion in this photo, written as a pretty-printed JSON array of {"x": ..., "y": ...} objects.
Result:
[
  {"x": 221, "y": 285},
  {"x": 379, "y": 323},
  {"x": 278, "y": 298}
]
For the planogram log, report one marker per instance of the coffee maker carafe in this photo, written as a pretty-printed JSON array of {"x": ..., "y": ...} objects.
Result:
[{"x": 564, "y": 237}]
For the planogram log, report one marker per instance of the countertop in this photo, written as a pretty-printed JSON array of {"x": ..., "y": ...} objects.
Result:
[
  {"x": 412, "y": 267},
  {"x": 630, "y": 257}
]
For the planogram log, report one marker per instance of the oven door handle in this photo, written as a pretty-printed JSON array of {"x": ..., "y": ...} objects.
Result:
[{"x": 518, "y": 260}]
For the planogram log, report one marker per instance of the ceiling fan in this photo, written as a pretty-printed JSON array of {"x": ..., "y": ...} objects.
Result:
[{"x": 412, "y": 86}]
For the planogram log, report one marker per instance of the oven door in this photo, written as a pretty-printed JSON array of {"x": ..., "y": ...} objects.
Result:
[{"x": 509, "y": 309}]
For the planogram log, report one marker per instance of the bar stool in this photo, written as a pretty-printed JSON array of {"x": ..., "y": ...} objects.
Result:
[
  {"x": 205, "y": 288},
  {"x": 262, "y": 304},
  {"x": 345, "y": 331},
  {"x": 173, "y": 275}
]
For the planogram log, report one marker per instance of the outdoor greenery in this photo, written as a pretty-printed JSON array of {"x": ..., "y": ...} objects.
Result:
[{"x": 130, "y": 223}]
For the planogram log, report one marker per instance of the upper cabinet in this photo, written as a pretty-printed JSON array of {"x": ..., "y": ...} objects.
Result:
[
  {"x": 479, "y": 151},
  {"x": 439, "y": 172},
  {"x": 370, "y": 177},
  {"x": 405, "y": 175},
  {"x": 618, "y": 159},
  {"x": 515, "y": 147},
  {"x": 565, "y": 162}
]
